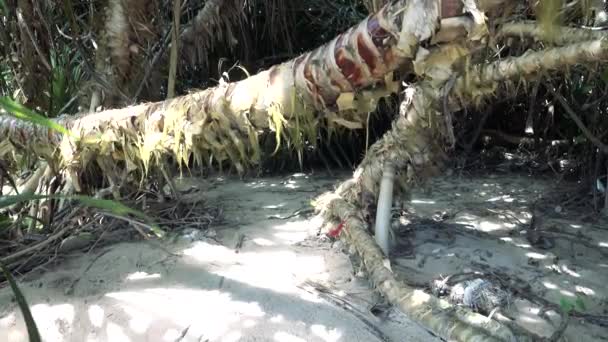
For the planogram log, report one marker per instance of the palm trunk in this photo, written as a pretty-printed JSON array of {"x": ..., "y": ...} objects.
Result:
[
  {"x": 346, "y": 75},
  {"x": 416, "y": 143}
]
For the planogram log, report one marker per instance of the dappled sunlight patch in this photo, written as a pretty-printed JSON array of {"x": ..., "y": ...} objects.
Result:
[
  {"x": 567, "y": 270},
  {"x": 277, "y": 319},
  {"x": 249, "y": 323},
  {"x": 310, "y": 294},
  {"x": 291, "y": 237},
  {"x": 231, "y": 336},
  {"x": 419, "y": 297},
  {"x": 96, "y": 315},
  {"x": 299, "y": 225},
  {"x": 509, "y": 225},
  {"x": 292, "y": 185},
  {"x": 584, "y": 290},
  {"x": 532, "y": 313},
  {"x": 422, "y": 201},
  {"x": 567, "y": 293},
  {"x": 16, "y": 335},
  {"x": 550, "y": 286},
  {"x": 488, "y": 226},
  {"x": 537, "y": 256},
  {"x": 116, "y": 333},
  {"x": 515, "y": 242},
  {"x": 291, "y": 232},
  {"x": 8, "y": 320},
  {"x": 172, "y": 335},
  {"x": 530, "y": 319},
  {"x": 281, "y": 336},
  {"x": 53, "y": 321},
  {"x": 263, "y": 242},
  {"x": 504, "y": 198},
  {"x": 205, "y": 252},
  {"x": 142, "y": 276},
  {"x": 213, "y": 311},
  {"x": 140, "y": 320},
  {"x": 287, "y": 184},
  {"x": 326, "y": 334},
  {"x": 275, "y": 270},
  {"x": 257, "y": 184},
  {"x": 274, "y": 206}
]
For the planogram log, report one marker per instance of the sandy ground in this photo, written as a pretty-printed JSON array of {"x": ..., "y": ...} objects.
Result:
[
  {"x": 482, "y": 224},
  {"x": 256, "y": 276},
  {"x": 202, "y": 287}
]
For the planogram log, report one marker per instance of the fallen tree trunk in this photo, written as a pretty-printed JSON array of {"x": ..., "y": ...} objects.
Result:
[
  {"x": 347, "y": 75},
  {"x": 417, "y": 142},
  {"x": 449, "y": 322},
  {"x": 560, "y": 35}
]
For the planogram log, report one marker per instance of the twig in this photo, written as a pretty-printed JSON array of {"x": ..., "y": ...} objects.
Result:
[
  {"x": 136, "y": 225},
  {"x": 183, "y": 334},
  {"x": 174, "y": 50},
  {"x": 597, "y": 142},
  {"x": 329, "y": 295},
  {"x": 162, "y": 46},
  {"x": 299, "y": 212},
  {"x": 70, "y": 289},
  {"x": 37, "y": 246},
  {"x": 239, "y": 242},
  {"x": 556, "y": 336},
  {"x": 23, "y": 24},
  {"x": 161, "y": 247}
]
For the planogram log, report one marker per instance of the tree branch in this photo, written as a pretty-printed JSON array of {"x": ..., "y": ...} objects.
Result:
[
  {"x": 562, "y": 35},
  {"x": 597, "y": 142}
]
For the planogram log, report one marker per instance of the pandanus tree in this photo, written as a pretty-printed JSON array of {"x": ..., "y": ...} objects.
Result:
[{"x": 445, "y": 49}]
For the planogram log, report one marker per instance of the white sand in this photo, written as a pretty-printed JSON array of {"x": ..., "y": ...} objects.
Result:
[{"x": 138, "y": 292}]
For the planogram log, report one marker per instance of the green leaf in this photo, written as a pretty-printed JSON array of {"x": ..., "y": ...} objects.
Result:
[
  {"x": 565, "y": 305},
  {"x": 32, "y": 330},
  {"x": 580, "y": 303},
  {"x": 21, "y": 112},
  {"x": 118, "y": 209},
  {"x": 5, "y": 222},
  {"x": 604, "y": 76}
]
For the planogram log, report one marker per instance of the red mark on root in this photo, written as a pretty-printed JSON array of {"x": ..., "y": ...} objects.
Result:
[{"x": 336, "y": 231}]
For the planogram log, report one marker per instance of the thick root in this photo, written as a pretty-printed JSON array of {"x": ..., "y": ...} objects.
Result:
[{"x": 445, "y": 320}]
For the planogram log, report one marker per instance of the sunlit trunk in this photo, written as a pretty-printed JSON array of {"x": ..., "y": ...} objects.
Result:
[{"x": 338, "y": 81}]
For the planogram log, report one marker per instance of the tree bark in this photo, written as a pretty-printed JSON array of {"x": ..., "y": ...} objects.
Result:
[
  {"x": 416, "y": 143},
  {"x": 346, "y": 75}
]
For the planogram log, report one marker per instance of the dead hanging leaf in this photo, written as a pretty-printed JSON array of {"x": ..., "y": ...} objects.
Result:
[
  {"x": 391, "y": 85},
  {"x": 346, "y": 101},
  {"x": 254, "y": 144},
  {"x": 149, "y": 144},
  {"x": 333, "y": 118},
  {"x": 276, "y": 123},
  {"x": 5, "y": 148},
  {"x": 367, "y": 100},
  {"x": 547, "y": 14}
]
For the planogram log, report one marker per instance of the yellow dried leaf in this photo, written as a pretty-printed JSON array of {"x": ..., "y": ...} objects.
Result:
[
  {"x": 346, "y": 101},
  {"x": 276, "y": 123},
  {"x": 346, "y": 123}
]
